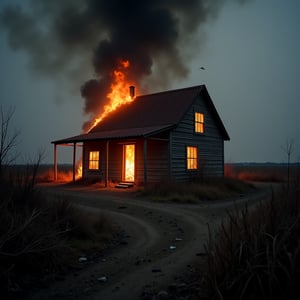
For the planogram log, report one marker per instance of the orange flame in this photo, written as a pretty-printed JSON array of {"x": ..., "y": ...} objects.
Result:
[
  {"x": 129, "y": 162},
  {"x": 79, "y": 169},
  {"x": 118, "y": 95}
]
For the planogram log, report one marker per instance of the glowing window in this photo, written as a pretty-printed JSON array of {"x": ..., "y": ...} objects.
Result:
[
  {"x": 94, "y": 160},
  {"x": 199, "y": 122},
  {"x": 192, "y": 157}
]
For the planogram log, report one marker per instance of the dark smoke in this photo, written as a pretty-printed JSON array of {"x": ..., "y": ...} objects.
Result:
[{"x": 59, "y": 36}]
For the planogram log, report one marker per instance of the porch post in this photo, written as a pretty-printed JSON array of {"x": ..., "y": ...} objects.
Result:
[
  {"x": 55, "y": 162},
  {"x": 145, "y": 162},
  {"x": 170, "y": 156},
  {"x": 74, "y": 161},
  {"x": 106, "y": 163}
]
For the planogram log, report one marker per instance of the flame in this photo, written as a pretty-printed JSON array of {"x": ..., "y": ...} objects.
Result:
[
  {"x": 79, "y": 169},
  {"x": 129, "y": 162},
  {"x": 119, "y": 93}
]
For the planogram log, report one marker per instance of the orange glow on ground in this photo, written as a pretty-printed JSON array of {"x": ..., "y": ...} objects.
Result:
[{"x": 63, "y": 175}]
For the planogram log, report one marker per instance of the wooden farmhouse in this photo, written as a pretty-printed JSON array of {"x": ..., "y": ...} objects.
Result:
[{"x": 174, "y": 135}]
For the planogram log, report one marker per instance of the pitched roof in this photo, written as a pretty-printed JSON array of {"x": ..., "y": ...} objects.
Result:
[
  {"x": 149, "y": 114},
  {"x": 151, "y": 110}
]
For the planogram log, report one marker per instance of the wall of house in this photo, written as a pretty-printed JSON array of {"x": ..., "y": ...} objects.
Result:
[
  {"x": 165, "y": 160},
  {"x": 115, "y": 160},
  {"x": 94, "y": 175},
  {"x": 210, "y": 145},
  {"x": 157, "y": 160}
]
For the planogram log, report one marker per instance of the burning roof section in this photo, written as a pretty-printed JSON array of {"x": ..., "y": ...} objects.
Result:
[{"x": 147, "y": 115}]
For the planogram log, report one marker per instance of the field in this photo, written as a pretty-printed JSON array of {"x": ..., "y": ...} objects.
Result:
[
  {"x": 264, "y": 172},
  {"x": 40, "y": 237},
  {"x": 256, "y": 252},
  {"x": 255, "y": 248}
]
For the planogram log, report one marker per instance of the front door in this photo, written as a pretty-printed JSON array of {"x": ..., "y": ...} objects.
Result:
[{"x": 128, "y": 162}]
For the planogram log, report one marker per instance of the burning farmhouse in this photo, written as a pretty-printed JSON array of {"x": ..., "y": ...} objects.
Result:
[{"x": 174, "y": 135}]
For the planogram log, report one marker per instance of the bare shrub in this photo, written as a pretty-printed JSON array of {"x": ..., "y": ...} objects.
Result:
[
  {"x": 256, "y": 253},
  {"x": 8, "y": 139},
  {"x": 37, "y": 235},
  {"x": 29, "y": 243},
  {"x": 82, "y": 225}
]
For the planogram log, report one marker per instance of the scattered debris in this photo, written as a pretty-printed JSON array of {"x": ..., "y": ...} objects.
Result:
[
  {"x": 163, "y": 295},
  {"x": 82, "y": 259},
  {"x": 182, "y": 285},
  {"x": 102, "y": 279}
]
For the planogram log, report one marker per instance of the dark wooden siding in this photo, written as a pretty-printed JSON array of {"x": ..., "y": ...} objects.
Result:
[
  {"x": 157, "y": 160},
  {"x": 210, "y": 145},
  {"x": 115, "y": 160},
  {"x": 166, "y": 153},
  {"x": 97, "y": 175}
]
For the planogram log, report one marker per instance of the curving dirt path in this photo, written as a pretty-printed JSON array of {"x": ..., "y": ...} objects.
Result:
[{"x": 163, "y": 242}]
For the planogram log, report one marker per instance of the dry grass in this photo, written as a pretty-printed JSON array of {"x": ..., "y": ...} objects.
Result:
[
  {"x": 39, "y": 238},
  {"x": 256, "y": 253},
  {"x": 193, "y": 192}
]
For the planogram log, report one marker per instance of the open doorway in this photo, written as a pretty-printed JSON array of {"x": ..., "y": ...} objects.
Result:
[{"x": 128, "y": 162}]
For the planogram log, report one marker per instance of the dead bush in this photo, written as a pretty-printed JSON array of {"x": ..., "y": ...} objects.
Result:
[
  {"x": 256, "y": 253},
  {"x": 39, "y": 238}
]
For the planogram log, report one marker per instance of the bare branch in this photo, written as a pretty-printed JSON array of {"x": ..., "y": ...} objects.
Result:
[
  {"x": 45, "y": 242},
  {"x": 288, "y": 148},
  {"x": 8, "y": 141}
]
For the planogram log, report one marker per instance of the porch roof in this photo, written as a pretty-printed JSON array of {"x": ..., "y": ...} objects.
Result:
[{"x": 116, "y": 134}]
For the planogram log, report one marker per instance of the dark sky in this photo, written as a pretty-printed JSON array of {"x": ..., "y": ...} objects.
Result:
[{"x": 250, "y": 51}]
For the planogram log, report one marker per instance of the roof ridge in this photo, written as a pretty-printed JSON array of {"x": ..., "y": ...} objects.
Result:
[{"x": 173, "y": 90}]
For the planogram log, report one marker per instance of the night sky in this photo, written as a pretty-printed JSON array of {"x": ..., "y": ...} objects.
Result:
[{"x": 249, "y": 49}]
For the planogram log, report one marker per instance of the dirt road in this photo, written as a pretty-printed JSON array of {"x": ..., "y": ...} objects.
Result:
[{"x": 163, "y": 243}]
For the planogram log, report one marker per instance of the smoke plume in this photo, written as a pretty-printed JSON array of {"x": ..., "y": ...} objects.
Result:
[{"x": 60, "y": 37}]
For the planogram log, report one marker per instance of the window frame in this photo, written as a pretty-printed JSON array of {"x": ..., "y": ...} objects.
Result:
[
  {"x": 192, "y": 158},
  {"x": 94, "y": 161},
  {"x": 199, "y": 123}
]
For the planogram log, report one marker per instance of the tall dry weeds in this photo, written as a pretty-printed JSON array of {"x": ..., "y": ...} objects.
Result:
[
  {"x": 36, "y": 234},
  {"x": 256, "y": 253}
]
